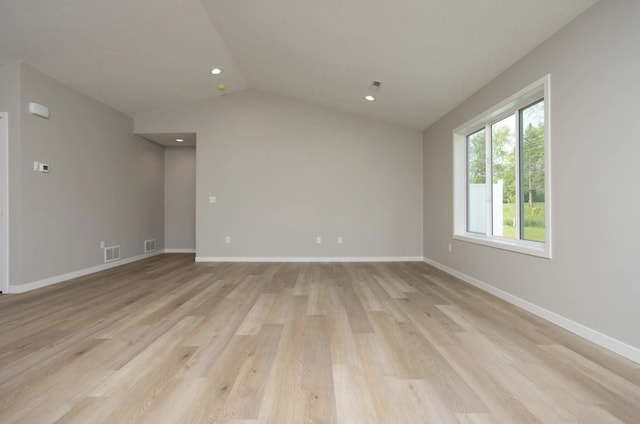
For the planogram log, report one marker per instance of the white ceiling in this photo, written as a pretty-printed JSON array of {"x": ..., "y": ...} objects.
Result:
[{"x": 143, "y": 55}]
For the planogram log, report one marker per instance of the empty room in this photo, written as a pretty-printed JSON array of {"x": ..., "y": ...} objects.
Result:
[{"x": 218, "y": 211}]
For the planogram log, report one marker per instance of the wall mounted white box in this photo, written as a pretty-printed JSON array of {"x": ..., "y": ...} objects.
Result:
[
  {"x": 39, "y": 110},
  {"x": 40, "y": 167}
]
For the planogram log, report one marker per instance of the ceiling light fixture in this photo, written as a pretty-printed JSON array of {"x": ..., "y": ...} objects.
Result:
[
  {"x": 369, "y": 98},
  {"x": 179, "y": 140},
  {"x": 216, "y": 71}
]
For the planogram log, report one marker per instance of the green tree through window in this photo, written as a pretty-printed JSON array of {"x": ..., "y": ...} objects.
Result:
[{"x": 532, "y": 175}]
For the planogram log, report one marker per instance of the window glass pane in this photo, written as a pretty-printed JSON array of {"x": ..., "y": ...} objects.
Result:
[
  {"x": 476, "y": 183},
  {"x": 532, "y": 172},
  {"x": 503, "y": 157}
]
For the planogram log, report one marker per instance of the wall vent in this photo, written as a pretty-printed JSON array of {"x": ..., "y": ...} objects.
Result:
[
  {"x": 149, "y": 245},
  {"x": 375, "y": 85},
  {"x": 111, "y": 253}
]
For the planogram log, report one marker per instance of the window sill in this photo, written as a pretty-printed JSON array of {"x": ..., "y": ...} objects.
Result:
[{"x": 541, "y": 250}]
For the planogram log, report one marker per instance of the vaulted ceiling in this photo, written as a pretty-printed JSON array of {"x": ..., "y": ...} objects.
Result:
[{"x": 142, "y": 55}]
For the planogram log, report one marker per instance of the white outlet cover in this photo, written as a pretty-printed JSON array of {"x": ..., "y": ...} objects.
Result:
[
  {"x": 318, "y": 239},
  {"x": 227, "y": 239},
  {"x": 339, "y": 240},
  {"x": 212, "y": 199},
  {"x": 40, "y": 167}
]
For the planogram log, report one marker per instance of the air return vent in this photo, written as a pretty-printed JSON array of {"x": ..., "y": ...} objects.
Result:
[
  {"x": 149, "y": 245},
  {"x": 111, "y": 253}
]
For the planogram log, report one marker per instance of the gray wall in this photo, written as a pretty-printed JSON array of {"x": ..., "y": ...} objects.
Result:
[
  {"x": 105, "y": 183},
  {"x": 593, "y": 278},
  {"x": 180, "y": 198},
  {"x": 285, "y": 172}
]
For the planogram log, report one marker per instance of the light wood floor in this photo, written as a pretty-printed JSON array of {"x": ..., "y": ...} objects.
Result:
[{"x": 167, "y": 340}]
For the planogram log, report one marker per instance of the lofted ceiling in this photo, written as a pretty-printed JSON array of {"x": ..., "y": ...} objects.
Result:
[{"x": 143, "y": 55}]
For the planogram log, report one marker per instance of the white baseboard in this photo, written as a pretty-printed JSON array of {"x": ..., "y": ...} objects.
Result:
[
  {"x": 22, "y": 288},
  {"x": 630, "y": 352},
  {"x": 179, "y": 250},
  {"x": 310, "y": 259}
]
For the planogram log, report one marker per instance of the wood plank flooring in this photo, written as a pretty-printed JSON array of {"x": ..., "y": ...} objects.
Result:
[{"x": 167, "y": 340}]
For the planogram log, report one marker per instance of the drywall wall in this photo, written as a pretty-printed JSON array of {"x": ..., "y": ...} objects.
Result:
[
  {"x": 284, "y": 172},
  {"x": 105, "y": 184},
  {"x": 180, "y": 198},
  {"x": 592, "y": 278}
]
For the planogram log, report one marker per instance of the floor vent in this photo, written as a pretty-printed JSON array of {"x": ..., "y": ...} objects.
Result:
[
  {"x": 111, "y": 253},
  {"x": 149, "y": 245}
]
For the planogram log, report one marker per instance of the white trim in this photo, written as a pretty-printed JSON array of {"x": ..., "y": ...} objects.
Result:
[
  {"x": 22, "y": 288},
  {"x": 548, "y": 203},
  {"x": 630, "y": 352},
  {"x": 311, "y": 259},
  {"x": 4, "y": 192},
  {"x": 521, "y": 246},
  {"x": 518, "y": 100},
  {"x": 179, "y": 250}
]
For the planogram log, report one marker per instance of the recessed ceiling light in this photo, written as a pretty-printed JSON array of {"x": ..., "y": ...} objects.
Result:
[
  {"x": 179, "y": 140},
  {"x": 369, "y": 98},
  {"x": 216, "y": 71}
]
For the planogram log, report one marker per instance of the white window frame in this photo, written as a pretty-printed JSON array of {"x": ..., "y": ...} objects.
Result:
[{"x": 540, "y": 89}]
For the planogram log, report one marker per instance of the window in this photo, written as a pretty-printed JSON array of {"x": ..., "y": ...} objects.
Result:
[{"x": 501, "y": 174}]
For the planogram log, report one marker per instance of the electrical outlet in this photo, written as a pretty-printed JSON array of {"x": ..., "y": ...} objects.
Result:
[
  {"x": 40, "y": 167},
  {"x": 227, "y": 239},
  {"x": 450, "y": 248},
  {"x": 318, "y": 239},
  {"x": 339, "y": 239},
  {"x": 212, "y": 199},
  {"x": 102, "y": 244}
]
